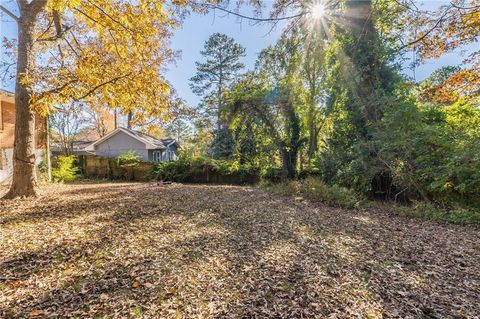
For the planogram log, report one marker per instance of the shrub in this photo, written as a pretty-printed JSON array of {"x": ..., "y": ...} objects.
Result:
[
  {"x": 127, "y": 161},
  {"x": 204, "y": 170},
  {"x": 64, "y": 170},
  {"x": 430, "y": 211},
  {"x": 272, "y": 175},
  {"x": 315, "y": 189}
]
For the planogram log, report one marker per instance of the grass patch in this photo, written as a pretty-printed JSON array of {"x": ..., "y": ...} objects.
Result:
[
  {"x": 454, "y": 215},
  {"x": 314, "y": 189}
]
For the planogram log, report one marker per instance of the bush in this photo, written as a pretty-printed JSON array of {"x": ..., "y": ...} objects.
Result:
[
  {"x": 128, "y": 159},
  {"x": 64, "y": 169},
  {"x": 272, "y": 175},
  {"x": 315, "y": 189},
  {"x": 205, "y": 170},
  {"x": 127, "y": 162}
]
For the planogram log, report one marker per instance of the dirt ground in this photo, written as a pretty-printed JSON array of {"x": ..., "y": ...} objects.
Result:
[{"x": 127, "y": 250}]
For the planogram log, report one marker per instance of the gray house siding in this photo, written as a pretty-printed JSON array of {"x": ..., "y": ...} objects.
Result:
[{"x": 120, "y": 143}]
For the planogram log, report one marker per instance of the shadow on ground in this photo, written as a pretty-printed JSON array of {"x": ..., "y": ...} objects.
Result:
[{"x": 142, "y": 250}]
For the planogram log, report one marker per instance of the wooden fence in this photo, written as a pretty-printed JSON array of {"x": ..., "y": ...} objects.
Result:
[{"x": 99, "y": 167}]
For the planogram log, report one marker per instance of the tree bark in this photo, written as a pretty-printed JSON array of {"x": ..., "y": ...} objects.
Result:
[
  {"x": 24, "y": 179},
  {"x": 129, "y": 120},
  {"x": 289, "y": 162}
]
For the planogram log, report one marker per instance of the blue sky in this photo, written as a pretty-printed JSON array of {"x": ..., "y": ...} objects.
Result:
[{"x": 189, "y": 39}]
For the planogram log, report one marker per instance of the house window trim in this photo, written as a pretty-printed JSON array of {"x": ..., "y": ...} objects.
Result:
[{"x": 157, "y": 156}]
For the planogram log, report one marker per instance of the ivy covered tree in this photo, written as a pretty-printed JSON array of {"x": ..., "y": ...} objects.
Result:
[
  {"x": 222, "y": 63},
  {"x": 270, "y": 97},
  {"x": 361, "y": 89}
]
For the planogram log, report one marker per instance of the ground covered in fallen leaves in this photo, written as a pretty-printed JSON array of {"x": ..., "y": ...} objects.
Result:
[{"x": 126, "y": 250}]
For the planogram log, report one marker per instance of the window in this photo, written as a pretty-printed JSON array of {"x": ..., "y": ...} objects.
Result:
[{"x": 157, "y": 156}]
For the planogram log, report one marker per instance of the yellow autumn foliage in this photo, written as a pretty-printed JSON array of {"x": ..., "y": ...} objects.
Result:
[{"x": 110, "y": 52}]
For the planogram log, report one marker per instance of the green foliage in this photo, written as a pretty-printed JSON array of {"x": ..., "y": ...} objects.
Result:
[
  {"x": 340, "y": 107},
  {"x": 42, "y": 167},
  {"x": 64, "y": 169},
  {"x": 272, "y": 175},
  {"x": 222, "y": 145},
  {"x": 205, "y": 170},
  {"x": 212, "y": 80},
  {"x": 128, "y": 159},
  {"x": 127, "y": 162},
  {"x": 42, "y": 172},
  {"x": 315, "y": 189},
  {"x": 430, "y": 211},
  {"x": 429, "y": 150}
]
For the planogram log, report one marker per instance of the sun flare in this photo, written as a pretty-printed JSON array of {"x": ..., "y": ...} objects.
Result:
[{"x": 317, "y": 11}]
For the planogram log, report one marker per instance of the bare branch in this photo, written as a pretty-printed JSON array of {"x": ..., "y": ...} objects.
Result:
[
  {"x": 213, "y": 6},
  {"x": 425, "y": 34},
  {"x": 9, "y": 13}
]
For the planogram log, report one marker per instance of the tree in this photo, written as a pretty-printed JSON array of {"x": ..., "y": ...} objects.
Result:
[
  {"x": 179, "y": 129},
  {"x": 314, "y": 79},
  {"x": 66, "y": 124},
  {"x": 76, "y": 50},
  {"x": 213, "y": 77},
  {"x": 361, "y": 85},
  {"x": 430, "y": 88},
  {"x": 433, "y": 33},
  {"x": 271, "y": 95}
]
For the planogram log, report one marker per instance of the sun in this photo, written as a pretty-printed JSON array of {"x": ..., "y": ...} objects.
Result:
[{"x": 317, "y": 11}]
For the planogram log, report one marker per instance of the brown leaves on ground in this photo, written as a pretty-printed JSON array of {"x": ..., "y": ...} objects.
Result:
[{"x": 112, "y": 250}]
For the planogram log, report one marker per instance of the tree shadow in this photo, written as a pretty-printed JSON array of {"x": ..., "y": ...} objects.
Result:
[{"x": 233, "y": 252}]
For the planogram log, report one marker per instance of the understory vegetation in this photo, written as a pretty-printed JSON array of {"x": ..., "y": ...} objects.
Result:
[
  {"x": 315, "y": 189},
  {"x": 64, "y": 169},
  {"x": 332, "y": 101},
  {"x": 207, "y": 170}
]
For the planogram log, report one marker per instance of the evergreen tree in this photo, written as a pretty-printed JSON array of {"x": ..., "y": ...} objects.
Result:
[
  {"x": 358, "y": 100},
  {"x": 213, "y": 77}
]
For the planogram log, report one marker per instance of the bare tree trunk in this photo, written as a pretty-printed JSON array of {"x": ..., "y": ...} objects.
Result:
[
  {"x": 24, "y": 181},
  {"x": 129, "y": 120}
]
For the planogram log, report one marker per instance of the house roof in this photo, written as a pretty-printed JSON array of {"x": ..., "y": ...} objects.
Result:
[{"x": 150, "y": 142}]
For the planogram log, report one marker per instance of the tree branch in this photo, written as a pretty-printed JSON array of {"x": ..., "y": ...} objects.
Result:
[
  {"x": 9, "y": 13},
  {"x": 59, "y": 31},
  {"x": 437, "y": 23},
  {"x": 92, "y": 90},
  {"x": 213, "y": 6}
]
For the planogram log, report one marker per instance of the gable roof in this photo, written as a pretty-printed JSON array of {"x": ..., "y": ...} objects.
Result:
[{"x": 150, "y": 142}]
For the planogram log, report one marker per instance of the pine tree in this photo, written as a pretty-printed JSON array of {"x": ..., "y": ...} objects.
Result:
[{"x": 213, "y": 77}]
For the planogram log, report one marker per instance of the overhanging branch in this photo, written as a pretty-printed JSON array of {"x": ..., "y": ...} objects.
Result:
[
  {"x": 9, "y": 13},
  {"x": 213, "y": 6}
]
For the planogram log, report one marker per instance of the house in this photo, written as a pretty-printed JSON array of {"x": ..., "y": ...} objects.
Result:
[
  {"x": 148, "y": 148},
  {"x": 7, "y": 131}
]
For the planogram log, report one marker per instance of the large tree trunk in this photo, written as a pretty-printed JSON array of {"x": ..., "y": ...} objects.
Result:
[
  {"x": 24, "y": 181},
  {"x": 289, "y": 161}
]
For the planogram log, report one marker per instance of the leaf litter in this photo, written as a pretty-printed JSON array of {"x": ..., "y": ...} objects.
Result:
[{"x": 133, "y": 250}]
